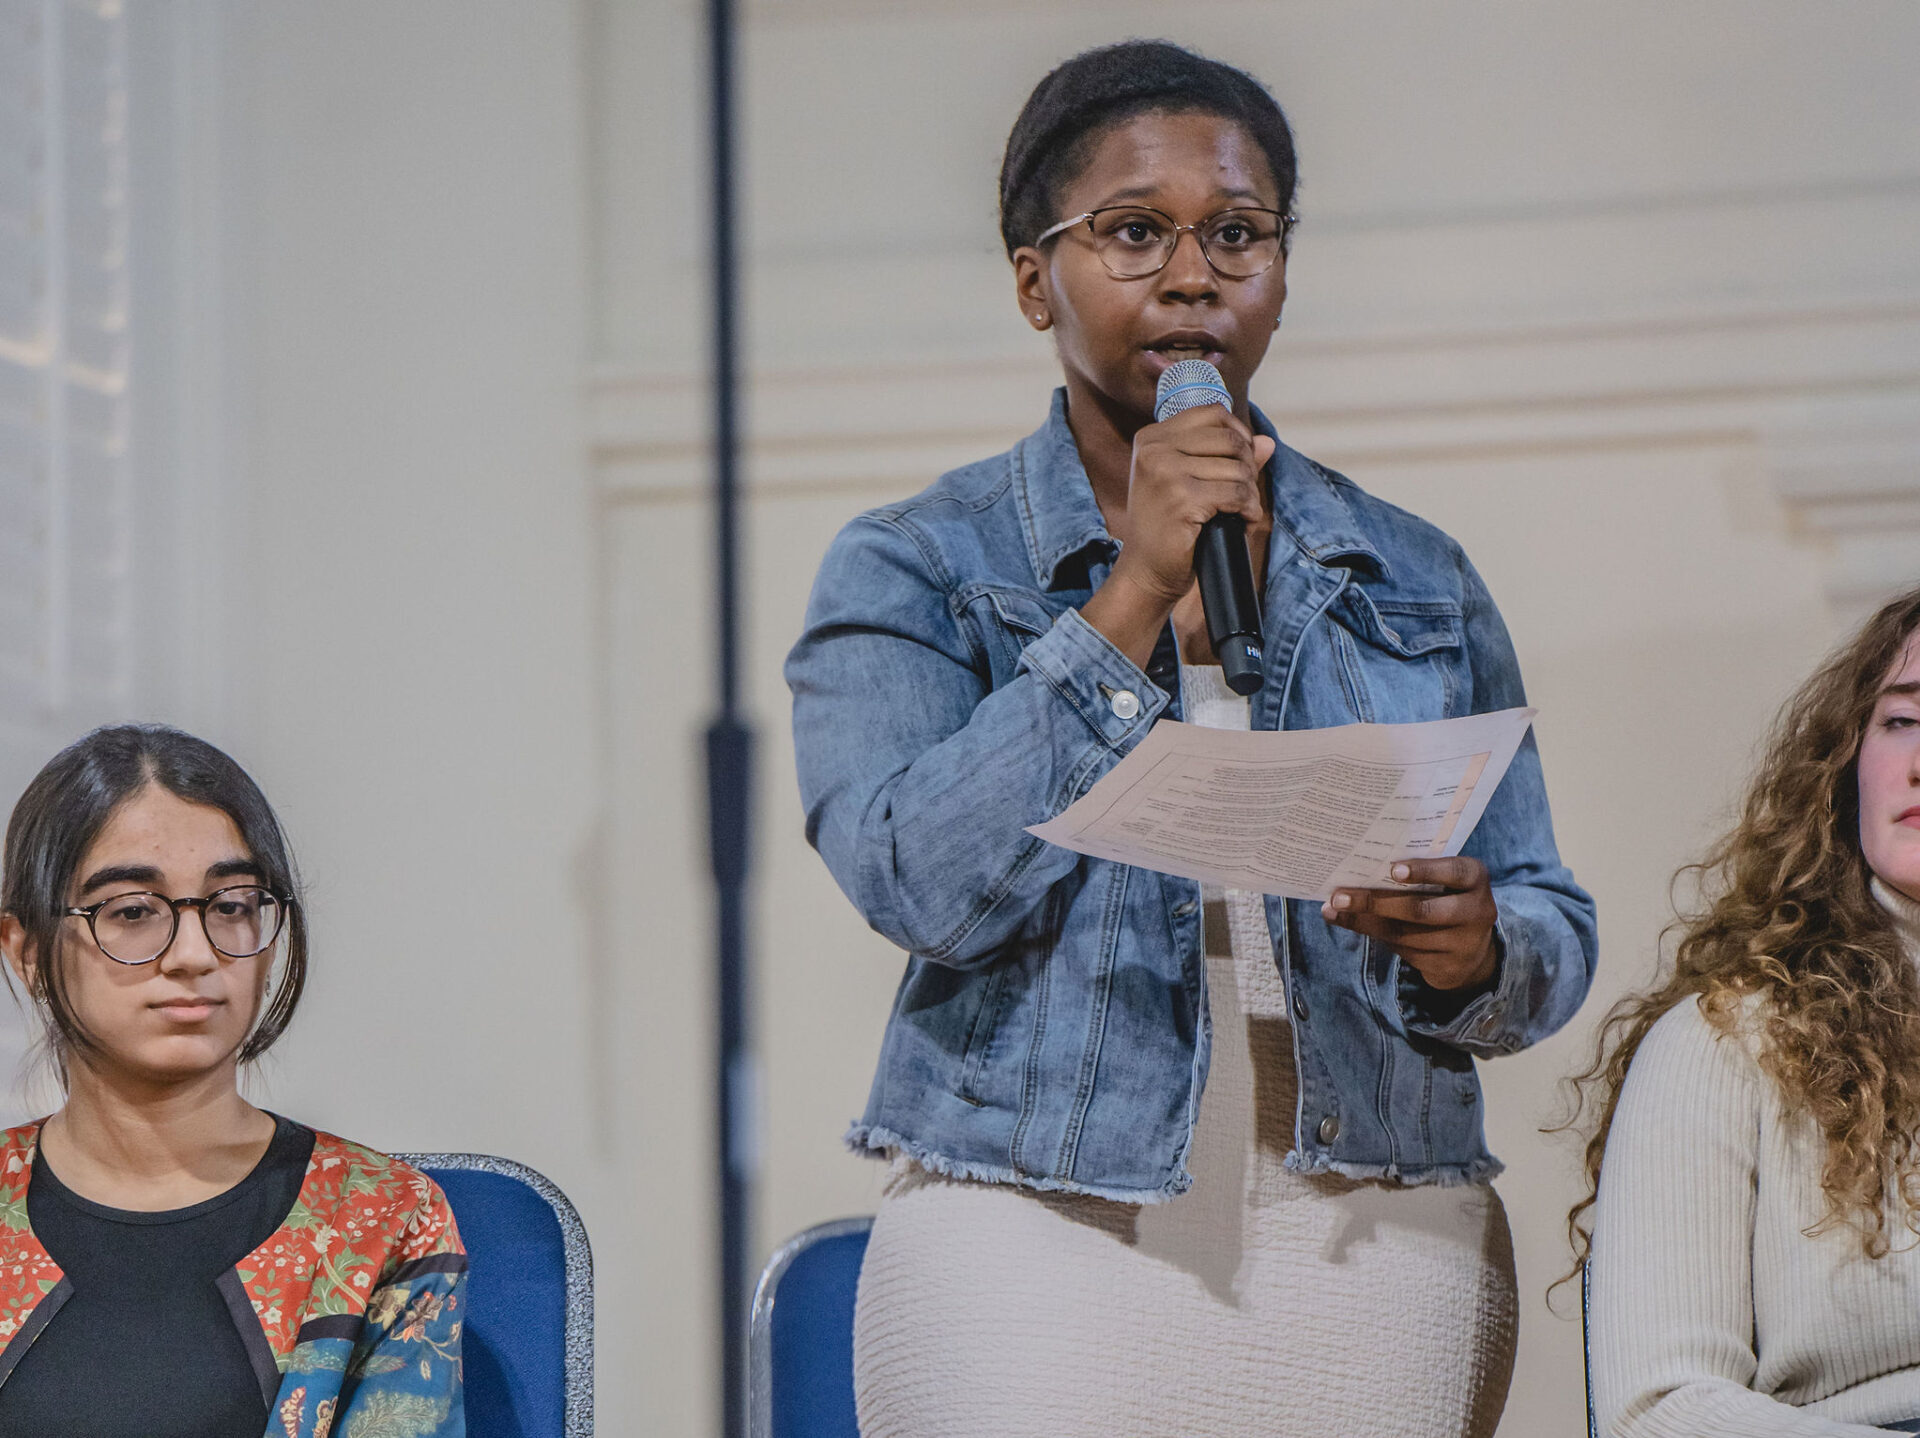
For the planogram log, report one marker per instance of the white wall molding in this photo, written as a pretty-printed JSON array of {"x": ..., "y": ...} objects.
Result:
[
  {"x": 1352, "y": 400},
  {"x": 1850, "y": 479},
  {"x": 1827, "y": 395},
  {"x": 1714, "y": 317}
]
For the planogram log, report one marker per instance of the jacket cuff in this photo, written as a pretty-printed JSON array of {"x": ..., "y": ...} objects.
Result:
[
  {"x": 1107, "y": 689},
  {"x": 1472, "y": 1019}
]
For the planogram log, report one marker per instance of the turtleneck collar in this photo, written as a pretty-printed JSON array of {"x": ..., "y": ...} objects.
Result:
[{"x": 1905, "y": 913}]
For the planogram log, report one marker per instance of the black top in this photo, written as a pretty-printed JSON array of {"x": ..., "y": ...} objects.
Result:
[{"x": 146, "y": 1345}]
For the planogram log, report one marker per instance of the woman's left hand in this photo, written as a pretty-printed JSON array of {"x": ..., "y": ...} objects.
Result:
[{"x": 1447, "y": 936}]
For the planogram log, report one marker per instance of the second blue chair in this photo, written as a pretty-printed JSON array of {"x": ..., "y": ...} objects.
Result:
[{"x": 801, "y": 1351}]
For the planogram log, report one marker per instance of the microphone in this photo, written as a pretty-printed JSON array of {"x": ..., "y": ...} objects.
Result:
[{"x": 1220, "y": 556}]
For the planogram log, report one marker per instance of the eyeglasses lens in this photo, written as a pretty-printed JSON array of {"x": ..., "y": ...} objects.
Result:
[
  {"x": 134, "y": 927},
  {"x": 242, "y": 922},
  {"x": 1134, "y": 243}
]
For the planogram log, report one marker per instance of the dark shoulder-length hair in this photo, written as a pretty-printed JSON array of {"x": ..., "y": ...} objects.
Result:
[
  {"x": 61, "y": 813},
  {"x": 1788, "y": 915}
]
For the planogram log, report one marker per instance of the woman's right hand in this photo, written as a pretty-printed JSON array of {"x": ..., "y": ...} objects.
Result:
[{"x": 1186, "y": 469}]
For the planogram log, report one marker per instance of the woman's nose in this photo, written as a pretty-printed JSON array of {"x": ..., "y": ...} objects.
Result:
[
  {"x": 1187, "y": 275},
  {"x": 191, "y": 951}
]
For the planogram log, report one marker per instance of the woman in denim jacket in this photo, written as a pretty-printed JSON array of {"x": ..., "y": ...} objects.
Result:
[{"x": 1071, "y": 1239}]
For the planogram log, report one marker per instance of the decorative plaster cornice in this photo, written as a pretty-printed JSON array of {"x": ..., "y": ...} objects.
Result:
[{"x": 1849, "y": 475}]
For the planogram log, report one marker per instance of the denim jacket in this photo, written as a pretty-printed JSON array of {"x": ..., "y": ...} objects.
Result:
[{"x": 1051, "y": 1028}]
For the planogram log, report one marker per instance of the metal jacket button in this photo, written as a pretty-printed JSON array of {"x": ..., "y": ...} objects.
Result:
[
  {"x": 1126, "y": 704},
  {"x": 1299, "y": 1006},
  {"x": 1184, "y": 909},
  {"x": 1330, "y": 1128}
]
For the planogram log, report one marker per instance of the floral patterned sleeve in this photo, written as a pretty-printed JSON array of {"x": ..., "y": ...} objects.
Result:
[{"x": 393, "y": 1368}]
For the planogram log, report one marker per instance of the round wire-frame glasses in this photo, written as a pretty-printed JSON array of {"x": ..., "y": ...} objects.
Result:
[
  {"x": 240, "y": 921},
  {"x": 1134, "y": 241}
]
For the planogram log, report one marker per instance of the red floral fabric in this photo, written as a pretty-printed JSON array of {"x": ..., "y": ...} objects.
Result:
[
  {"x": 27, "y": 1273},
  {"x": 359, "y": 1219},
  {"x": 360, "y": 1215}
]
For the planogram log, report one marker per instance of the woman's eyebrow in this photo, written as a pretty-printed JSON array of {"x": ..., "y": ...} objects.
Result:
[
  {"x": 121, "y": 874},
  {"x": 235, "y": 868},
  {"x": 1906, "y": 688}
]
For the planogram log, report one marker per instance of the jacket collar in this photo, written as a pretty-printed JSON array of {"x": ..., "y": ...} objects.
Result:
[
  {"x": 1309, "y": 508},
  {"x": 1060, "y": 518}
]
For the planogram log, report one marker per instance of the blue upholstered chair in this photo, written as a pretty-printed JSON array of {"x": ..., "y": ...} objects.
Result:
[
  {"x": 800, "y": 1359},
  {"x": 527, "y": 1346}
]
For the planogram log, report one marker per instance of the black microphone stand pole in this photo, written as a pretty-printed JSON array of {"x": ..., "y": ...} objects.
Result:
[{"x": 729, "y": 760}]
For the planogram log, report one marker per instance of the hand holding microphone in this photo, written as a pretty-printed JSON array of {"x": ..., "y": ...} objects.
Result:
[
  {"x": 1220, "y": 551},
  {"x": 1194, "y": 492}
]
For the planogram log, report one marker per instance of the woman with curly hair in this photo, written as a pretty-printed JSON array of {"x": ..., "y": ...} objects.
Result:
[{"x": 1754, "y": 1249}]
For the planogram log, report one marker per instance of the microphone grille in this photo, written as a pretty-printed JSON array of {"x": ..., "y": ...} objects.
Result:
[{"x": 1188, "y": 384}]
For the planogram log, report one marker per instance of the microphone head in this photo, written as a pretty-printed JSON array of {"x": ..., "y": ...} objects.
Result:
[{"x": 1188, "y": 384}]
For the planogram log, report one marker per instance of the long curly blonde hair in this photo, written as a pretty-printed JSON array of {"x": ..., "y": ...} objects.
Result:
[{"x": 1785, "y": 911}]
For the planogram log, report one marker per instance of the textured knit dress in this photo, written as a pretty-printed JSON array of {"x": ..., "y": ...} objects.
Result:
[{"x": 1260, "y": 1302}]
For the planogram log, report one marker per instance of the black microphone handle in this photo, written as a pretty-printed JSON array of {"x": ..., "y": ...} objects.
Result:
[{"x": 1226, "y": 593}]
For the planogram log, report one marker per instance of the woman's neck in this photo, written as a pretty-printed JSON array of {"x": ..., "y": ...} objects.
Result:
[
  {"x": 1103, "y": 434},
  {"x": 154, "y": 1147}
]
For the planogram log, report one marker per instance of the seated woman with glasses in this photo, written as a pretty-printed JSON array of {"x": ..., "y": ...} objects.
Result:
[
  {"x": 1166, "y": 1159},
  {"x": 1755, "y": 1225},
  {"x": 174, "y": 1262}
]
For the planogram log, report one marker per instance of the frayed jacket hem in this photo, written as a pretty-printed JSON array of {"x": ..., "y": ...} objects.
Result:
[
  {"x": 1447, "y": 1175},
  {"x": 870, "y": 1141}
]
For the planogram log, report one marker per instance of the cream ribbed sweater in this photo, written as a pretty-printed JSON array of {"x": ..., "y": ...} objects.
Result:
[{"x": 1713, "y": 1312}]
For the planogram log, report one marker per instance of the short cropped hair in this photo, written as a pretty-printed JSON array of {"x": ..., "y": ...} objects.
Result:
[{"x": 1068, "y": 112}]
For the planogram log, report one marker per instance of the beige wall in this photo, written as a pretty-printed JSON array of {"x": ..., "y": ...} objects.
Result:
[
  {"x": 1623, "y": 297},
  {"x": 1614, "y": 295}
]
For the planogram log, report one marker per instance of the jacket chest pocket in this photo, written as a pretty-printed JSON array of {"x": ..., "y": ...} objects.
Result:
[
  {"x": 1399, "y": 661},
  {"x": 1004, "y": 622}
]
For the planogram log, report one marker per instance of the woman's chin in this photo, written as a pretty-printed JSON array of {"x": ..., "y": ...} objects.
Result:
[
  {"x": 176, "y": 1058},
  {"x": 1906, "y": 884},
  {"x": 1895, "y": 860}
]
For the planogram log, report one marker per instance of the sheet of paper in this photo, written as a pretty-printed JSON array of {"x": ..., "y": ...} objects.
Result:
[{"x": 1299, "y": 812}]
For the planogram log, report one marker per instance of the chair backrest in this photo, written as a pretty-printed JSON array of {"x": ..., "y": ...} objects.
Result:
[
  {"x": 801, "y": 1350},
  {"x": 1586, "y": 1339},
  {"x": 527, "y": 1343}
]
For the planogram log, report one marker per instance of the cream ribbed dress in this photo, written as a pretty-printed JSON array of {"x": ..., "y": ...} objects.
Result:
[
  {"x": 1715, "y": 1314},
  {"x": 1261, "y": 1302}
]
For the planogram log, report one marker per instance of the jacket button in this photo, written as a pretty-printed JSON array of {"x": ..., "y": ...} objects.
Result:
[
  {"x": 1126, "y": 704},
  {"x": 1330, "y": 1128},
  {"x": 1184, "y": 909},
  {"x": 1299, "y": 1006}
]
